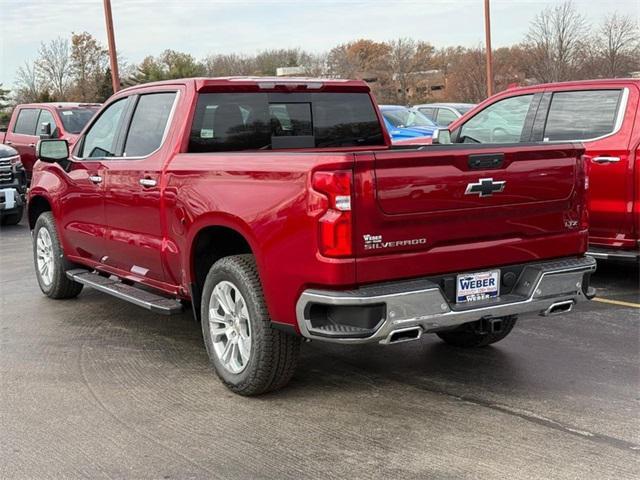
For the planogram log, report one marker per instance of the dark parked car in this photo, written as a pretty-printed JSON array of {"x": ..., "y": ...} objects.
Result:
[{"x": 13, "y": 186}]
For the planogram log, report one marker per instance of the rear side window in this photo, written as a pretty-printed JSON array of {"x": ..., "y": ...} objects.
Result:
[
  {"x": 148, "y": 124},
  {"x": 428, "y": 112},
  {"x": 446, "y": 117},
  {"x": 274, "y": 121},
  {"x": 582, "y": 115},
  {"x": 27, "y": 121}
]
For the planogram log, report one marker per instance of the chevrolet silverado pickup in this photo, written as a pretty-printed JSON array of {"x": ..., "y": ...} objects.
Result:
[
  {"x": 279, "y": 210},
  {"x": 601, "y": 114},
  {"x": 32, "y": 121}
]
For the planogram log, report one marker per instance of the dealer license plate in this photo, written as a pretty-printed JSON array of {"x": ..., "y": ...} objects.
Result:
[{"x": 471, "y": 287}]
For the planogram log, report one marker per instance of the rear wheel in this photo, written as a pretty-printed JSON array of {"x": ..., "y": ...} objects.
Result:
[
  {"x": 51, "y": 266},
  {"x": 246, "y": 352},
  {"x": 468, "y": 335}
]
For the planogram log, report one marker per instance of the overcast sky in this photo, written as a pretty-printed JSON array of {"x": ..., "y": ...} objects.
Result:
[{"x": 146, "y": 27}]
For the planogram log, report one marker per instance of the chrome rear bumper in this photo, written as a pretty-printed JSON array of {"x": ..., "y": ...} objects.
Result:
[{"x": 546, "y": 288}]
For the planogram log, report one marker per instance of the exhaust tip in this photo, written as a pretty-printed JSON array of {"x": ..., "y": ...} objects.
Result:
[
  {"x": 404, "y": 335},
  {"x": 559, "y": 308}
]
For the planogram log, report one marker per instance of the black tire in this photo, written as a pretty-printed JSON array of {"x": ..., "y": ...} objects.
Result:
[
  {"x": 13, "y": 218},
  {"x": 467, "y": 337},
  {"x": 273, "y": 355},
  {"x": 60, "y": 286}
]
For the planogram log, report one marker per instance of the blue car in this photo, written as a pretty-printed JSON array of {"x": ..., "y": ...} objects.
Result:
[{"x": 403, "y": 123}]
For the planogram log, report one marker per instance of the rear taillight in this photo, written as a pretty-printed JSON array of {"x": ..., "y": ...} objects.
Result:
[{"x": 334, "y": 224}]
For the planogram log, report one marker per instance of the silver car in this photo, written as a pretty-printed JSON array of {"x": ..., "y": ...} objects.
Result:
[{"x": 444, "y": 113}]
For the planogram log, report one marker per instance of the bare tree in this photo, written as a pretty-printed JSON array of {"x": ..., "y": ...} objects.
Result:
[
  {"x": 555, "y": 37},
  {"x": 54, "y": 67},
  {"x": 408, "y": 60},
  {"x": 29, "y": 87},
  {"x": 223, "y": 65},
  {"x": 618, "y": 43},
  {"x": 317, "y": 65},
  {"x": 466, "y": 74}
]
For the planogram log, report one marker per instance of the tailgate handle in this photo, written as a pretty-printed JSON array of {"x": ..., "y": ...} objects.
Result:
[{"x": 485, "y": 161}]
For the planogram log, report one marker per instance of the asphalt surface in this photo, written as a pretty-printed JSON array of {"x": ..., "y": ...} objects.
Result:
[{"x": 97, "y": 388}]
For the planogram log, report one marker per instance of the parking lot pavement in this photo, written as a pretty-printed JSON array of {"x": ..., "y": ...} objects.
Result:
[{"x": 95, "y": 387}]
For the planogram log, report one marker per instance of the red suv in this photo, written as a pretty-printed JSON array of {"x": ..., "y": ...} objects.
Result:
[{"x": 603, "y": 115}]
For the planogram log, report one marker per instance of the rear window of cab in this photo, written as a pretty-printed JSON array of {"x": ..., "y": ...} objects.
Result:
[{"x": 273, "y": 121}]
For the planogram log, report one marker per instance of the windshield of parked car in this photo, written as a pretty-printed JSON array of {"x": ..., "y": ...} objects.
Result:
[
  {"x": 465, "y": 109},
  {"x": 74, "y": 119},
  {"x": 403, "y": 117}
]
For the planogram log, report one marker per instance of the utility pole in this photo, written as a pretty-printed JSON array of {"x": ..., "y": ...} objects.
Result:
[
  {"x": 113, "y": 56},
  {"x": 487, "y": 32}
]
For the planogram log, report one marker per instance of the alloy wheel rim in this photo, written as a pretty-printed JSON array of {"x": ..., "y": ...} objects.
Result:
[
  {"x": 230, "y": 327},
  {"x": 44, "y": 256}
]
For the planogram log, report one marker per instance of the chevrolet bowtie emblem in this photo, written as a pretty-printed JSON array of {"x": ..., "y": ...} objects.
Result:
[{"x": 485, "y": 187}]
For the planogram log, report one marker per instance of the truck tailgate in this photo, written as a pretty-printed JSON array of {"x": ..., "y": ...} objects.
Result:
[{"x": 451, "y": 208}]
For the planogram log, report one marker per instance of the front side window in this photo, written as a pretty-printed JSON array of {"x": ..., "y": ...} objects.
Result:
[
  {"x": 74, "y": 119},
  {"x": 272, "y": 121},
  {"x": 501, "y": 122},
  {"x": 100, "y": 140},
  {"x": 148, "y": 124},
  {"x": 582, "y": 115},
  {"x": 26, "y": 121},
  {"x": 46, "y": 117}
]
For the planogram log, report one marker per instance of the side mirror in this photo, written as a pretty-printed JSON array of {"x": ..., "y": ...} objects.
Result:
[
  {"x": 441, "y": 136},
  {"x": 52, "y": 151},
  {"x": 45, "y": 130}
]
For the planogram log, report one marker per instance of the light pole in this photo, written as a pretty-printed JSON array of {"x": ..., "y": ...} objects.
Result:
[
  {"x": 113, "y": 56},
  {"x": 487, "y": 32}
]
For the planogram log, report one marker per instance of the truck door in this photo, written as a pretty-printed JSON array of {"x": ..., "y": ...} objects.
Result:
[
  {"x": 82, "y": 201},
  {"x": 133, "y": 189},
  {"x": 22, "y": 136}
]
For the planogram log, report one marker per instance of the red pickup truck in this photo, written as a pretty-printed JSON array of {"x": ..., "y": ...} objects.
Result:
[
  {"x": 604, "y": 116},
  {"x": 279, "y": 210},
  {"x": 32, "y": 121}
]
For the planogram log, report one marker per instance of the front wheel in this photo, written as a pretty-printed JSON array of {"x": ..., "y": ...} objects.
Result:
[
  {"x": 51, "y": 266},
  {"x": 246, "y": 352},
  {"x": 467, "y": 336}
]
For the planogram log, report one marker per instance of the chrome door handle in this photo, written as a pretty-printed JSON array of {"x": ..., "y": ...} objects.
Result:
[
  {"x": 603, "y": 160},
  {"x": 148, "y": 182},
  {"x": 8, "y": 143},
  {"x": 95, "y": 179},
  {"x": 32, "y": 145}
]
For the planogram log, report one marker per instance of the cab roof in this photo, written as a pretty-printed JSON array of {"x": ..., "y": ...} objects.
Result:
[
  {"x": 60, "y": 104},
  {"x": 266, "y": 83}
]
